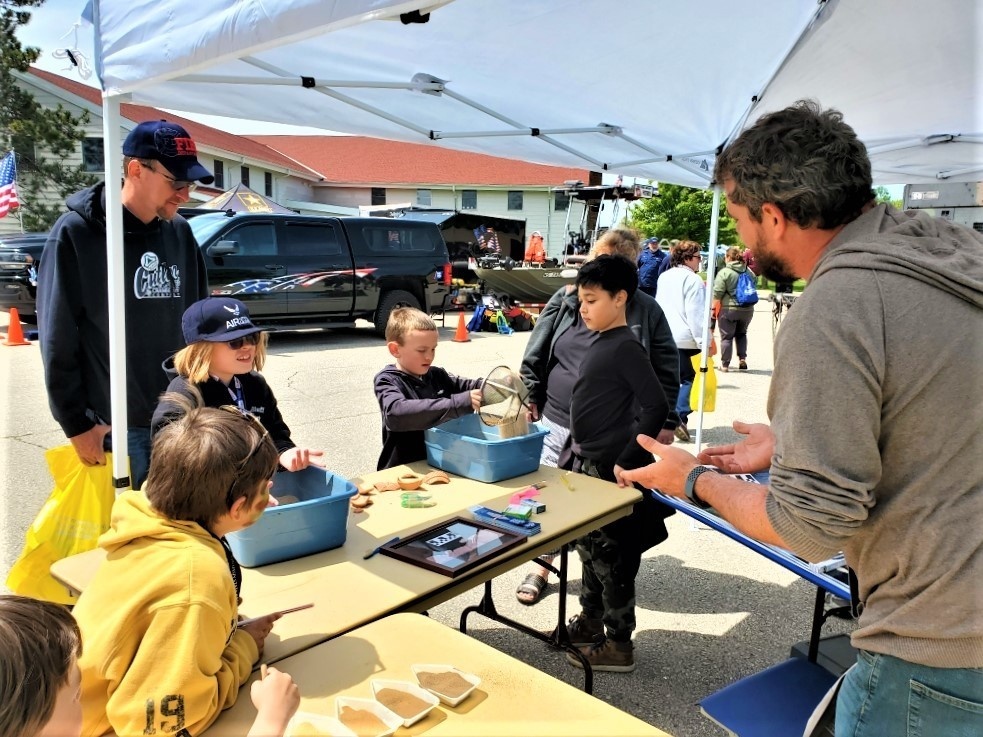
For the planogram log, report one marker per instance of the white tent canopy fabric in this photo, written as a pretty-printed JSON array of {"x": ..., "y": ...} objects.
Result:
[
  {"x": 646, "y": 88},
  {"x": 642, "y": 80}
]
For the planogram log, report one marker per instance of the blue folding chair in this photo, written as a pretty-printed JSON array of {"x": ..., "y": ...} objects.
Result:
[{"x": 776, "y": 702}]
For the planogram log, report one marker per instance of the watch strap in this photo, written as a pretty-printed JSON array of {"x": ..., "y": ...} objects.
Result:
[{"x": 690, "y": 487}]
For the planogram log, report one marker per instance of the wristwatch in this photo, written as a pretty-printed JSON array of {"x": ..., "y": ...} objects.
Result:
[{"x": 691, "y": 485}]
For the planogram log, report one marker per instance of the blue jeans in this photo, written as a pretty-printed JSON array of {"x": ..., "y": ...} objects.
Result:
[
  {"x": 887, "y": 697},
  {"x": 687, "y": 374},
  {"x": 138, "y": 446}
]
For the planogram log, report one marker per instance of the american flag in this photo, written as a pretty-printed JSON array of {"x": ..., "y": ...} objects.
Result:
[{"x": 8, "y": 185}]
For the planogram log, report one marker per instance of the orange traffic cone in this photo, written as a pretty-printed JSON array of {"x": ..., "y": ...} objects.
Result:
[
  {"x": 15, "y": 333},
  {"x": 461, "y": 336}
]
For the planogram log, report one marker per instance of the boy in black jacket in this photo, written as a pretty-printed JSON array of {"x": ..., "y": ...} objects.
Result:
[
  {"x": 413, "y": 394},
  {"x": 616, "y": 397}
]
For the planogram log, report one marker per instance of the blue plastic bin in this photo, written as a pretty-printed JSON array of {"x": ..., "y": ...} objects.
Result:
[
  {"x": 318, "y": 522},
  {"x": 469, "y": 448}
]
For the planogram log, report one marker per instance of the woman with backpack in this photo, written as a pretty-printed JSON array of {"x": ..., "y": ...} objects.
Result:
[{"x": 734, "y": 298}]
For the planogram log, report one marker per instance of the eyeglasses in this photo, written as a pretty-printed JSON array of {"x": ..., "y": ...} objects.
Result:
[
  {"x": 251, "y": 339},
  {"x": 176, "y": 184},
  {"x": 263, "y": 435}
]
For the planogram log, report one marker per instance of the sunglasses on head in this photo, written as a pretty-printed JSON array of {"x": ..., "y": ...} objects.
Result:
[
  {"x": 251, "y": 339},
  {"x": 263, "y": 435}
]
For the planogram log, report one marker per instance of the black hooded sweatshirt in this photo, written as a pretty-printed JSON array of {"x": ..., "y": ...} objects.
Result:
[
  {"x": 164, "y": 272},
  {"x": 411, "y": 405}
]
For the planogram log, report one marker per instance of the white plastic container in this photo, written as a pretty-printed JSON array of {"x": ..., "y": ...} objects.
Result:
[
  {"x": 378, "y": 684},
  {"x": 392, "y": 721},
  {"x": 323, "y": 725},
  {"x": 432, "y": 668}
]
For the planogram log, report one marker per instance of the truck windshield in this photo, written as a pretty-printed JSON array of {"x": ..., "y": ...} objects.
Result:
[{"x": 205, "y": 226}]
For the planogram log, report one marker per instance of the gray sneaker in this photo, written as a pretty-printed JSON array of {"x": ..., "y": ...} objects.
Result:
[
  {"x": 608, "y": 656},
  {"x": 583, "y": 630}
]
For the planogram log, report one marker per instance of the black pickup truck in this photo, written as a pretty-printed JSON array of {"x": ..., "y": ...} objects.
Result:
[
  {"x": 19, "y": 256},
  {"x": 291, "y": 270},
  {"x": 298, "y": 270}
]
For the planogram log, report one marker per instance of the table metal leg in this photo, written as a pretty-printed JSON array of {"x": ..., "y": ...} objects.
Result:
[
  {"x": 818, "y": 617},
  {"x": 559, "y": 638}
]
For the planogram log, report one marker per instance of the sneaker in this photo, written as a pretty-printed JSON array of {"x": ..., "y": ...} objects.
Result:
[
  {"x": 725, "y": 369},
  {"x": 742, "y": 365},
  {"x": 608, "y": 656},
  {"x": 583, "y": 630},
  {"x": 682, "y": 432}
]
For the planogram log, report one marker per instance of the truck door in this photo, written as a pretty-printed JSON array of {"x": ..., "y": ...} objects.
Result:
[
  {"x": 319, "y": 269},
  {"x": 245, "y": 262}
]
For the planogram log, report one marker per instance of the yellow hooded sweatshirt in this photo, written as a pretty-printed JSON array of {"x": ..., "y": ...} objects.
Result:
[{"x": 161, "y": 654}]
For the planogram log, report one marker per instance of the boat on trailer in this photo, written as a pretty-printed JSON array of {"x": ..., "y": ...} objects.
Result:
[{"x": 524, "y": 282}]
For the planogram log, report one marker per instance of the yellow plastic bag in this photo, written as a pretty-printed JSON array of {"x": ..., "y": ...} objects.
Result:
[
  {"x": 76, "y": 514},
  {"x": 694, "y": 396}
]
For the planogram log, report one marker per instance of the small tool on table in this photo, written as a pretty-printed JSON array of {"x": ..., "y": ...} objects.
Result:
[
  {"x": 380, "y": 547},
  {"x": 529, "y": 492},
  {"x": 413, "y": 499}
]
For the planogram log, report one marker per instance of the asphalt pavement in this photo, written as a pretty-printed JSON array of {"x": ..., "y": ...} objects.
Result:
[{"x": 710, "y": 611}]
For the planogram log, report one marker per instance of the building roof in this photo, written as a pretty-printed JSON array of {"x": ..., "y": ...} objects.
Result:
[
  {"x": 203, "y": 135},
  {"x": 349, "y": 159},
  {"x": 375, "y": 161}
]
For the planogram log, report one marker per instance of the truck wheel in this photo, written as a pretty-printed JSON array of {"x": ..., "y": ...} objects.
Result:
[{"x": 389, "y": 302}]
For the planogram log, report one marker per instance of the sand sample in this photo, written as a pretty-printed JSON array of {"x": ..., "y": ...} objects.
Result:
[
  {"x": 306, "y": 729},
  {"x": 450, "y": 684},
  {"x": 286, "y": 499},
  {"x": 362, "y": 722},
  {"x": 403, "y": 703}
]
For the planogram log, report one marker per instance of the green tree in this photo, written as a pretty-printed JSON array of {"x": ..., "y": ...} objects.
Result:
[
  {"x": 884, "y": 196},
  {"x": 41, "y": 137},
  {"x": 683, "y": 213}
]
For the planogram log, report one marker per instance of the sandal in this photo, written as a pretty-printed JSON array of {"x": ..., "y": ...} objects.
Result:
[{"x": 531, "y": 589}]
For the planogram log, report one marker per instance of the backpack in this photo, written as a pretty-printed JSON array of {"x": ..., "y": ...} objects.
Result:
[{"x": 746, "y": 293}]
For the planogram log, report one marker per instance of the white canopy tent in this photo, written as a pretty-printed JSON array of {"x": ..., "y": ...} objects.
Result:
[{"x": 640, "y": 88}]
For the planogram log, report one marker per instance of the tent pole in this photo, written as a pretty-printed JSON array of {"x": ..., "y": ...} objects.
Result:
[
  {"x": 711, "y": 271},
  {"x": 112, "y": 146}
]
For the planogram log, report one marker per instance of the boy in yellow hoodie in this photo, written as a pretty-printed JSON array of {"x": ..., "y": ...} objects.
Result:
[{"x": 163, "y": 652}]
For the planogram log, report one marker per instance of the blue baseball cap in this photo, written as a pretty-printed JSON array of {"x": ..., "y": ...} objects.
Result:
[
  {"x": 217, "y": 320},
  {"x": 650, "y": 241},
  {"x": 171, "y": 145}
]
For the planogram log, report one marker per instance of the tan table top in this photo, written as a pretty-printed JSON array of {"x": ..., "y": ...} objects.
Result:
[
  {"x": 512, "y": 698},
  {"x": 348, "y": 591}
]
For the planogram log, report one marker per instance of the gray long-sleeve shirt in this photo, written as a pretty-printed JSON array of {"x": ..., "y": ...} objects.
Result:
[{"x": 877, "y": 407}]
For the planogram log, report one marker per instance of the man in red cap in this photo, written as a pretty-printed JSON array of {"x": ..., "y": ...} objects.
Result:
[{"x": 164, "y": 272}]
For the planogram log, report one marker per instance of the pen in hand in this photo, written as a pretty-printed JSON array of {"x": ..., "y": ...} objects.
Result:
[{"x": 244, "y": 622}]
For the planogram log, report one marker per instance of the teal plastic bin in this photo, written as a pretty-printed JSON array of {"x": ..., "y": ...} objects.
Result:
[
  {"x": 469, "y": 448},
  {"x": 315, "y": 523}
]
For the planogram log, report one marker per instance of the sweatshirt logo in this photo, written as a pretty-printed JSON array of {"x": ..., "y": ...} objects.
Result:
[{"x": 154, "y": 279}]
